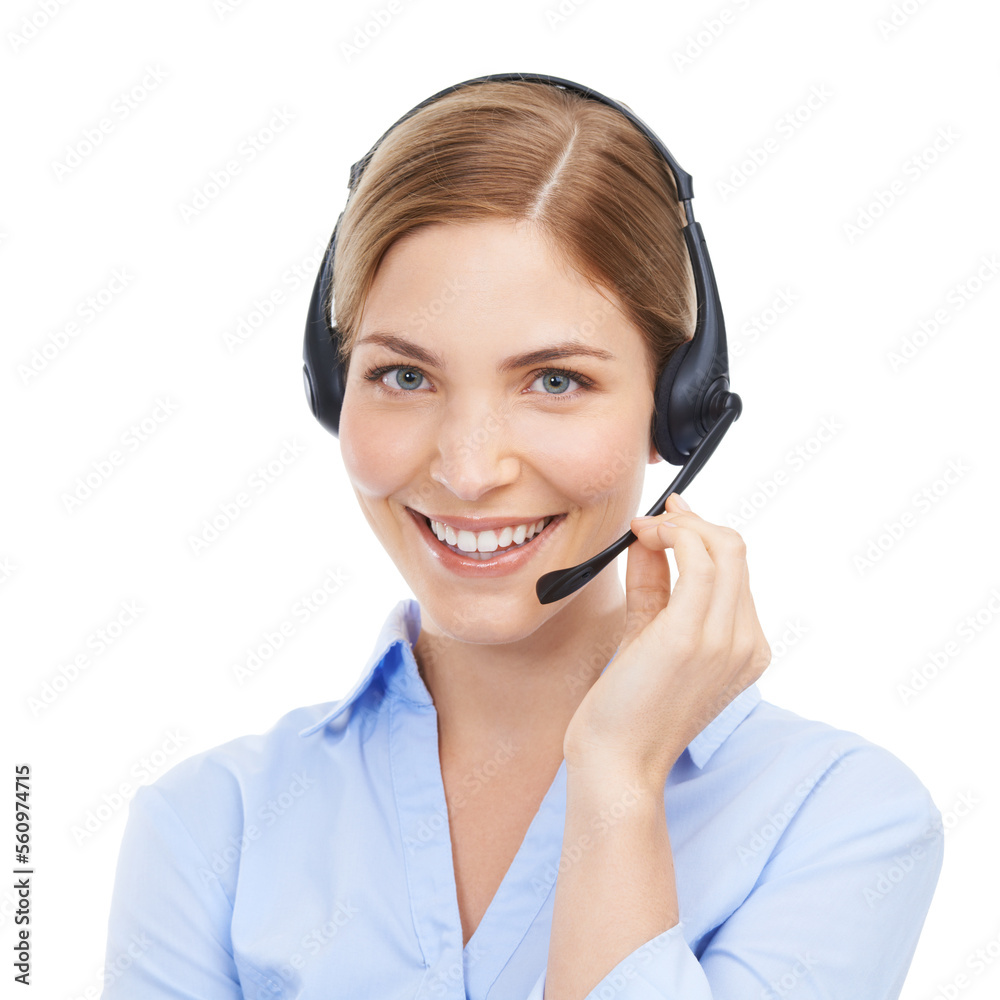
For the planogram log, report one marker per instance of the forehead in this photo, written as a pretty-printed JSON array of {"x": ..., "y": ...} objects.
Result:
[
  {"x": 483, "y": 255},
  {"x": 488, "y": 286}
]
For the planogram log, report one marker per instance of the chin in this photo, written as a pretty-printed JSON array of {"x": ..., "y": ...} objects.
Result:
[{"x": 487, "y": 619}]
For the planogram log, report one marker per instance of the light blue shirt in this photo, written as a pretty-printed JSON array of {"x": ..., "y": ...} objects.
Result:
[{"x": 314, "y": 861}]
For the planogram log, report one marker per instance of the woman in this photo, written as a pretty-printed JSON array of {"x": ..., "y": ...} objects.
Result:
[{"x": 580, "y": 798}]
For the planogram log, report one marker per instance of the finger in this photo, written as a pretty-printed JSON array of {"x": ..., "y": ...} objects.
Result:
[
  {"x": 692, "y": 592},
  {"x": 728, "y": 553},
  {"x": 647, "y": 588},
  {"x": 728, "y": 549},
  {"x": 750, "y": 625}
]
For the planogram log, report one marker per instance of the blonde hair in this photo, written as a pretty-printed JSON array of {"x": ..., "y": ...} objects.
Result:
[{"x": 585, "y": 176}]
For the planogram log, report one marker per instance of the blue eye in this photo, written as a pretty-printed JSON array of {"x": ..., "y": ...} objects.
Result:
[
  {"x": 409, "y": 378},
  {"x": 406, "y": 385},
  {"x": 547, "y": 376}
]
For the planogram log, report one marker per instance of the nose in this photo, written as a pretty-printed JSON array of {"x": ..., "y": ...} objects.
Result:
[{"x": 475, "y": 453}]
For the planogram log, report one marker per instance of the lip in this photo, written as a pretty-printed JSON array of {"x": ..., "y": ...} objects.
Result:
[{"x": 511, "y": 562}]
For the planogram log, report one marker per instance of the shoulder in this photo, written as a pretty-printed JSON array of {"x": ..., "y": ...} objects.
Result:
[
  {"x": 783, "y": 739},
  {"x": 215, "y": 794},
  {"x": 815, "y": 779},
  {"x": 809, "y": 839},
  {"x": 243, "y": 759}
]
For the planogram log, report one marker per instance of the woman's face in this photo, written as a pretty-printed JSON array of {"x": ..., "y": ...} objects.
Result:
[{"x": 466, "y": 434}]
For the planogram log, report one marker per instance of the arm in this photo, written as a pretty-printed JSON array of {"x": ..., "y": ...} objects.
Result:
[
  {"x": 687, "y": 650},
  {"x": 169, "y": 929},
  {"x": 616, "y": 889},
  {"x": 835, "y": 914}
]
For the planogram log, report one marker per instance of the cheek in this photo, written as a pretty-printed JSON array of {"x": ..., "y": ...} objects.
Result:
[
  {"x": 378, "y": 455},
  {"x": 599, "y": 461},
  {"x": 593, "y": 463}
]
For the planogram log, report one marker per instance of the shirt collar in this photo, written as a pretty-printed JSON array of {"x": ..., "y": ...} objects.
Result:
[
  {"x": 701, "y": 748},
  {"x": 401, "y": 674},
  {"x": 402, "y": 677}
]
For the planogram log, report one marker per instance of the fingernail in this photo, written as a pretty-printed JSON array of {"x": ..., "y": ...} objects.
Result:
[{"x": 681, "y": 502}]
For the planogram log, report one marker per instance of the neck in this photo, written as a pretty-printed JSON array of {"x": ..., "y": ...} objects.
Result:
[{"x": 525, "y": 690}]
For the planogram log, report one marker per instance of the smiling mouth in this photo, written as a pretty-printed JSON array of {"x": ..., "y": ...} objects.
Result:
[{"x": 499, "y": 551}]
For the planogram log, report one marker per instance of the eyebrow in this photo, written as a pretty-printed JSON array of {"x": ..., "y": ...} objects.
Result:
[{"x": 554, "y": 352}]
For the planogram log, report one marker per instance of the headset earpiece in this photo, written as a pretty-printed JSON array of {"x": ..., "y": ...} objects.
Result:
[
  {"x": 321, "y": 368},
  {"x": 661, "y": 397}
]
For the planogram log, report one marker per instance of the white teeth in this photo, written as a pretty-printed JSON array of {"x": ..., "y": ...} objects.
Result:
[
  {"x": 488, "y": 541},
  {"x": 485, "y": 541}
]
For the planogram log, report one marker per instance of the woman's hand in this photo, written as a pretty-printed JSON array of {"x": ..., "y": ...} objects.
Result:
[{"x": 686, "y": 652}]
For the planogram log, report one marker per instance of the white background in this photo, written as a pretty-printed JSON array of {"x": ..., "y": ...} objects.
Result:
[{"x": 166, "y": 687}]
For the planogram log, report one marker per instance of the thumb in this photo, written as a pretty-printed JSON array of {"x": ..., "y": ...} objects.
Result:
[{"x": 647, "y": 588}]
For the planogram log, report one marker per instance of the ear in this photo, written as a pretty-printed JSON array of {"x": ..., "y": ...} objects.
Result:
[{"x": 654, "y": 455}]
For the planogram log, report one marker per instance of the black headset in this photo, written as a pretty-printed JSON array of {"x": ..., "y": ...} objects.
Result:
[{"x": 694, "y": 407}]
